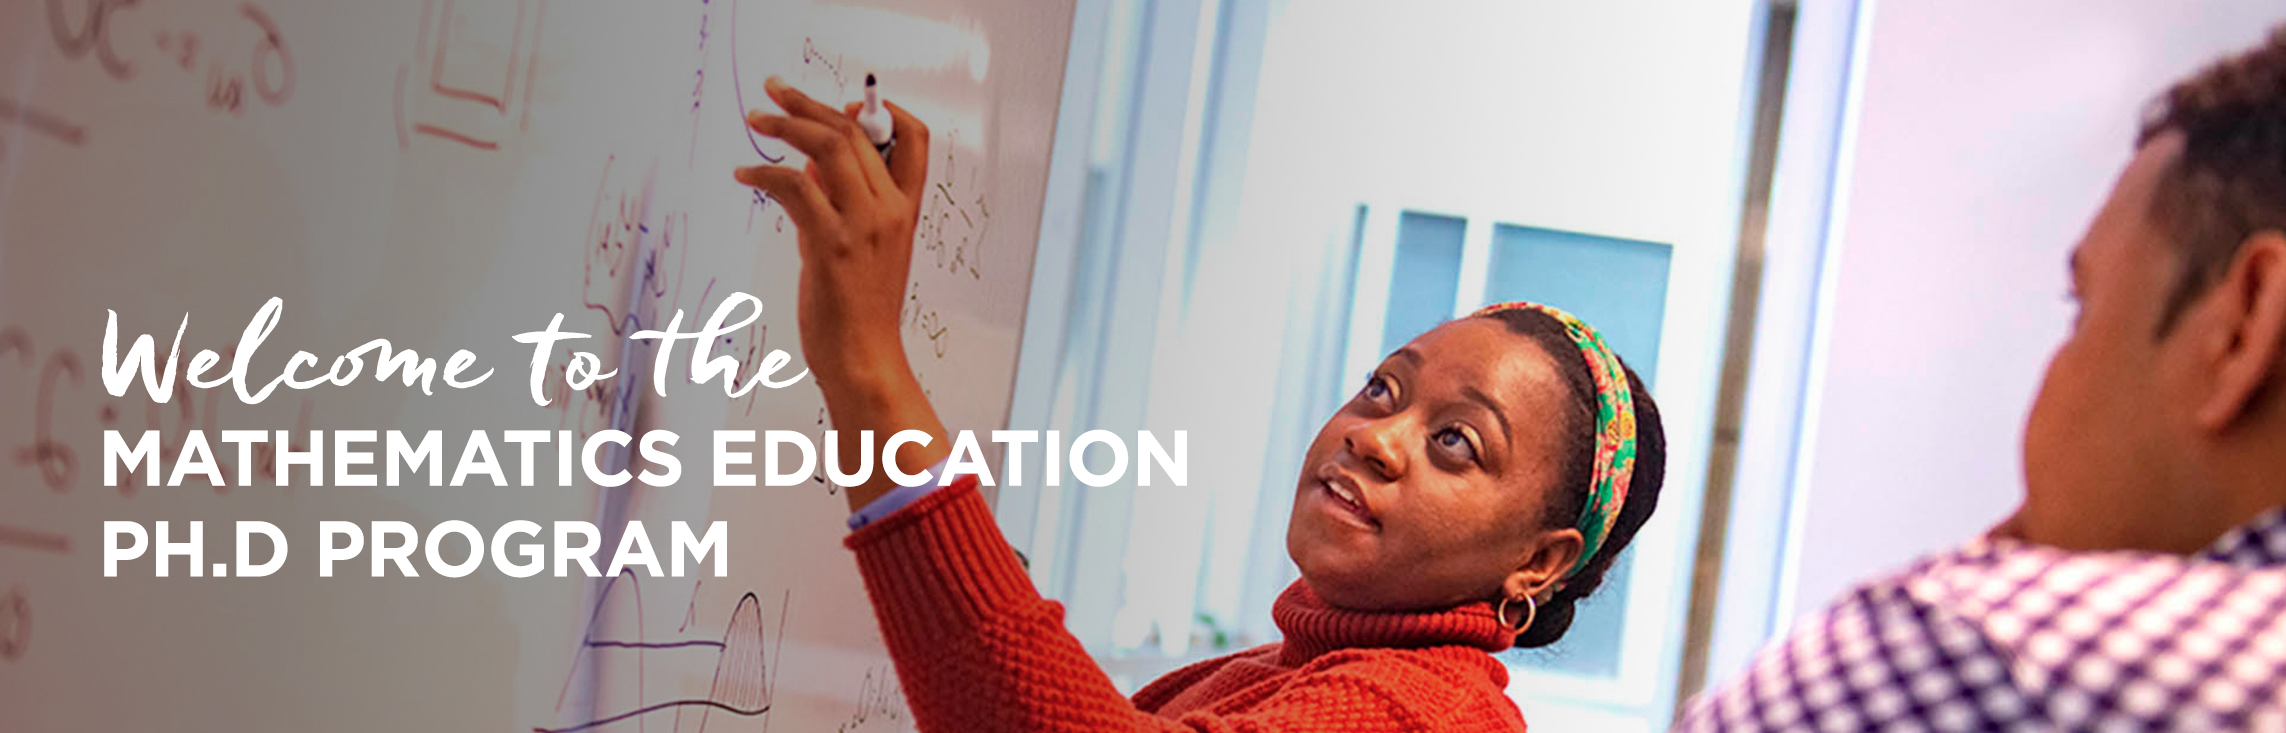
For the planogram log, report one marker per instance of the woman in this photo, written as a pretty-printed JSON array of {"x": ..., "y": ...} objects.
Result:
[{"x": 1472, "y": 492}]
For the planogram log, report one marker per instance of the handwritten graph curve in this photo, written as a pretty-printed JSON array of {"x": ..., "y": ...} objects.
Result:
[
  {"x": 742, "y": 681},
  {"x": 738, "y": 90},
  {"x": 741, "y": 675}
]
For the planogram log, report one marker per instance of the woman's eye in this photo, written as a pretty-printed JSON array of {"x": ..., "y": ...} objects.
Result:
[
  {"x": 1376, "y": 387},
  {"x": 1455, "y": 441}
]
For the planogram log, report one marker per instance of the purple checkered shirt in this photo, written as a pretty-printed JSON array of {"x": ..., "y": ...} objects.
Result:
[{"x": 2006, "y": 636}]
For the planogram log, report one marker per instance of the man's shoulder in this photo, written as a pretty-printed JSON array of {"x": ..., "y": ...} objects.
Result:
[
  {"x": 1877, "y": 655},
  {"x": 2142, "y": 639},
  {"x": 1997, "y": 633}
]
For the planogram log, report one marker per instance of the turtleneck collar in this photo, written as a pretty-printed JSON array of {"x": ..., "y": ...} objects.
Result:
[{"x": 1313, "y": 627}]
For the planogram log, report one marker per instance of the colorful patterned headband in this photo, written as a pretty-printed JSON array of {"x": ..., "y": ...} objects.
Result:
[{"x": 1614, "y": 428}]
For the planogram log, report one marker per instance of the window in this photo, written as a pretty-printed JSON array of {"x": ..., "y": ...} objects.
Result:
[
  {"x": 1165, "y": 303},
  {"x": 1416, "y": 270}
]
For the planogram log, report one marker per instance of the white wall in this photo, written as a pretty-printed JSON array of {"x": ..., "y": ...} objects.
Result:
[{"x": 1988, "y": 135}]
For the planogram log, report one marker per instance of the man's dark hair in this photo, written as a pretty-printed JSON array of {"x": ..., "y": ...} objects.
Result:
[{"x": 2229, "y": 182}]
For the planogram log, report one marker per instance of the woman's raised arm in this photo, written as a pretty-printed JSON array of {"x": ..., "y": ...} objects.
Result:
[
  {"x": 855, "y": 214},
  {"x": 976, "y": 647}
]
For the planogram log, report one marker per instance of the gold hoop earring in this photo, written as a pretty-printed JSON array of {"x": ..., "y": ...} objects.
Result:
[{"x": 1531, "y": 611}]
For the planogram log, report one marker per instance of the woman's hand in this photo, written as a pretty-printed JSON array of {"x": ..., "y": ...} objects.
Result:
[{"x": 855, "y": 216}]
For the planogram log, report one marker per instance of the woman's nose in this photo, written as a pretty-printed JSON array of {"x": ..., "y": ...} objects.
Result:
[{"x": 1378, "y": 444}]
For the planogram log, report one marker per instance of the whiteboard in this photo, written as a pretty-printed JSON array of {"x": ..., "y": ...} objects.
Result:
[{"x": 445, "y": 174}]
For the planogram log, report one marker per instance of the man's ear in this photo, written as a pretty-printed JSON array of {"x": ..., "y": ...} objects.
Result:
[
  {"x": 2249, "y": 305},
  {"x": 1545, "y": 564}
]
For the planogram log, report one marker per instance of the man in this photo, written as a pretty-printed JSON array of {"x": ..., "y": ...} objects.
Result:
[{"x": 2142, "y": 584}]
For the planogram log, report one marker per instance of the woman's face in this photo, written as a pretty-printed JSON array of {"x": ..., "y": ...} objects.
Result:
[{"x": 1428, "y": 488}]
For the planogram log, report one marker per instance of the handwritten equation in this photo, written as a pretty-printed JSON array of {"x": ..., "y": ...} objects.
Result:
[
  {"x": 955, "y": 221},
  {"x": 625, "y": 268},
  {"x": 879, "y": 700},
  {"x": 245, "y": 59},
  {"x": 698, "y": 77},
  {"x": 925, "y": 321},
  {"x": 817, "y": 64},
  {"x": 60, "y": 381},
  {"x": 954, "y": 226},
  {"x": 635, "y": 275}
]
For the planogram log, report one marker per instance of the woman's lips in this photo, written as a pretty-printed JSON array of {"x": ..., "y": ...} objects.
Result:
[{"x": 1345, "y": 496}]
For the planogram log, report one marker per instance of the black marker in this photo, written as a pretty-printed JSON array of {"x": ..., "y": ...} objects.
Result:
[{"x": 875, "y": 121}]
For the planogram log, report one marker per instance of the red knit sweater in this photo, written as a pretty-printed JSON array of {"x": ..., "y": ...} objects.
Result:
[{"x": 978, "y": 649}]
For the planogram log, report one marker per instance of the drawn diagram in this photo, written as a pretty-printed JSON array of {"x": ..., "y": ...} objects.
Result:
[
  {"x": 823, "y": 73},
  {"x": 469, "y": 81},
  {"x": 738, "y": 86},
  {"x": 743, "y": 673},
  {"x": 35, "y": 540},
  {"x": 43, "y": 122},
  {"x": 15, "y": 624}
]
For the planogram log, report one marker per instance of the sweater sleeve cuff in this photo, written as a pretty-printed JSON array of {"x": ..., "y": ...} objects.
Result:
[
  {"x": 887, "y": 504},
  {"x": 940, "y": 562}
]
